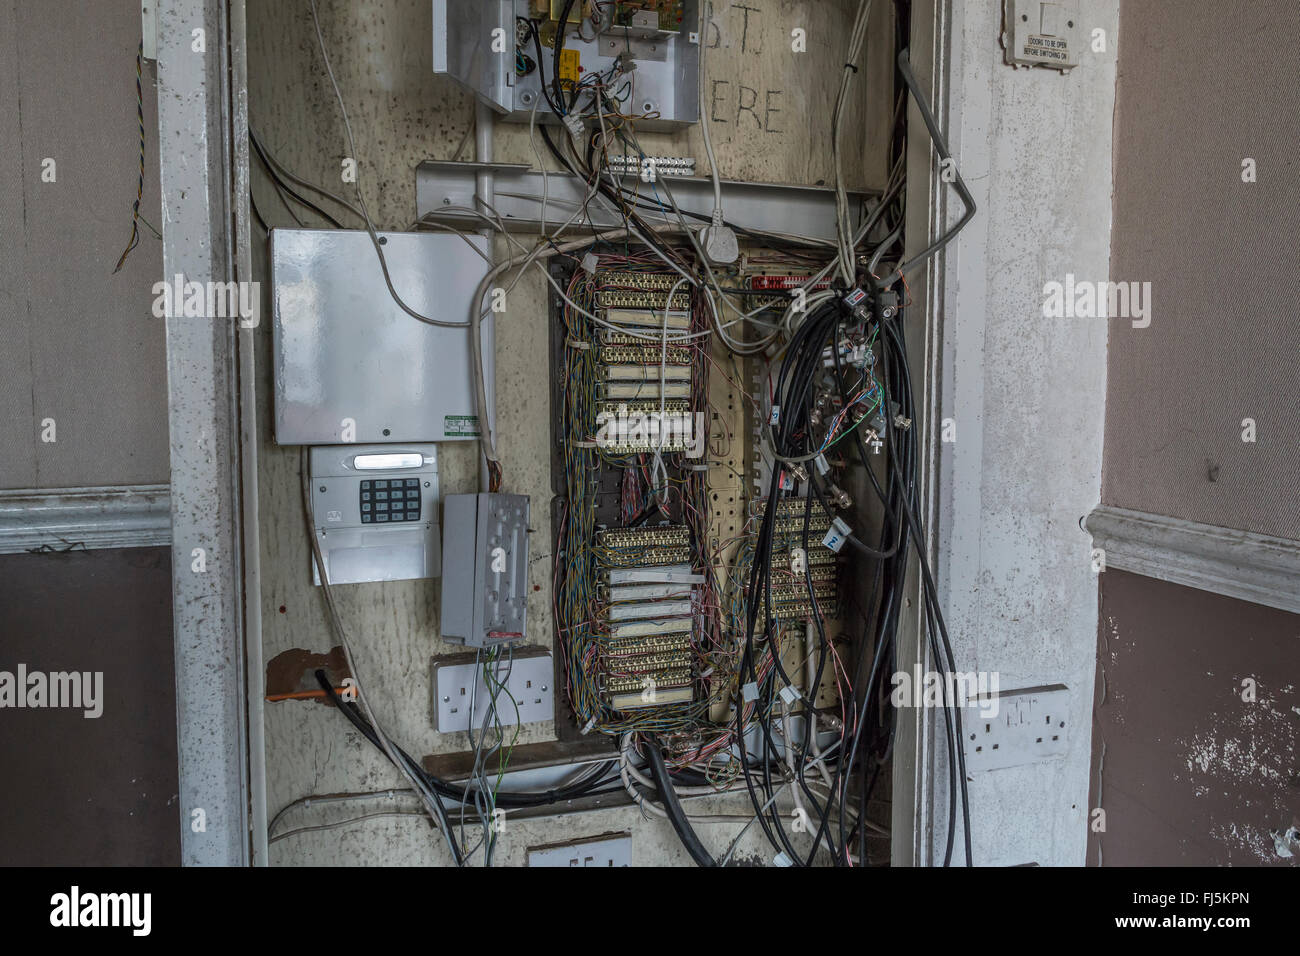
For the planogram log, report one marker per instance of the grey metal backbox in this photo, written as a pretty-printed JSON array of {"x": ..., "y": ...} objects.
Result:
[
  {"x": 667, "y": 62},
  {"x": 485, "y": 578},
  {"x": 376, "y": 511},
  {"x": 349, "y": 364}
]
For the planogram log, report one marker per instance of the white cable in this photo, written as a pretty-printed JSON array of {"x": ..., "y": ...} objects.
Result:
[
  {"x": 718, "y": 238},
  {"x": 532, "y": 141},
  {"x": 788, "y": 748},
  {"x": 361, "y": 201},
  {"x": 857, "y": 38},
  {"x": 427, "y": 796},
  {"x": 810, "y": 679},
  {"x": 658, "y": 470}
]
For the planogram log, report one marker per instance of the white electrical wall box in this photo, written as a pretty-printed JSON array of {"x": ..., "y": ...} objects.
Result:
[
  {"x": 486, "y": 45},
  {"x": 375, "y": 511},
  {"x": 1042, "y": 33},
  {"x": 613, "y": 849},
  {"x": 1016, "y": 727},
  {"x": 348, "y": 363},
  {"x": 485, "y": 581},
  {"x": 525, "y": 690}
]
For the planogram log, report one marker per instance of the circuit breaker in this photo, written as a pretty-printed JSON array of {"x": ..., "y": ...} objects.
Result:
[{"x": 485, "y": 580}]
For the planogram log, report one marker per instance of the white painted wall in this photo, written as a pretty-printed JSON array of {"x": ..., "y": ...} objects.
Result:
[{"x": 1027, "y": 396}]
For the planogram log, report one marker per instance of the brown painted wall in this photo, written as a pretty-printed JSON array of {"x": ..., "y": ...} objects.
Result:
[
  {"x": 1188, "y": 772},
  {"x": 81, "y": 791}
]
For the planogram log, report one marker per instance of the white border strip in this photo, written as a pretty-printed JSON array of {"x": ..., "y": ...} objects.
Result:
[
  {"x": 58, "y": 519},
  {"x": 1240, "y": 564}
]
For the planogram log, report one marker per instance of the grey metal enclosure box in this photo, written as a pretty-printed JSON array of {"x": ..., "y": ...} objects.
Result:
[
  {"x": 667, "y": 62},
  {"x": 376, "y": 512},
  {"x": 349, "y": 364},
  {"x": 485, "y": 574}
]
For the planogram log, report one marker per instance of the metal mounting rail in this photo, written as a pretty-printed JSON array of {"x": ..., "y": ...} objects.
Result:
[{"x": 444, "y": 192}]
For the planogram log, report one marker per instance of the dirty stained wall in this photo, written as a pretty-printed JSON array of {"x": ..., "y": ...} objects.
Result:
[
  {"x": 1196, "y": 756},
  {"x": 1022, "y": 398},
  {"x": 402, "y": 114},
  {"x": 1197, "y": 752}
]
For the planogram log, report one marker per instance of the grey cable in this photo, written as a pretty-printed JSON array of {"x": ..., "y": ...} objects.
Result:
[{"x": 361, "y": 201}]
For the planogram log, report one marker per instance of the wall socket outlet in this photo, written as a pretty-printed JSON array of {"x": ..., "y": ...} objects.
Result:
[
  {"x": 458, "y": 684},
  {"x": 611, "y": 849},
  {"x": 1015, "y": 727}
]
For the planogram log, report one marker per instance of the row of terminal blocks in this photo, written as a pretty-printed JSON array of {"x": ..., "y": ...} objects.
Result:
[
  {"x": 648, "y": 412},
  {"x": 638, "y": 362},
  {"x": 655, "y": 301},
  {"x": 645, "y": 354},
  {"x": 644, "y": 281},
  {"x": 648, "y": 616},
  {"x": 648, "y": 610},
  {"x": 662, "y": 165},
  {"x": 790, "y": 515},
  {"x": 790, "y": 599},
  {"x": 639, "y": 538}
]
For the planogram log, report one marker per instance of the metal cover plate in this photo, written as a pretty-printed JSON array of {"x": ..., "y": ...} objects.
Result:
[{"x": 349, "y": 364}]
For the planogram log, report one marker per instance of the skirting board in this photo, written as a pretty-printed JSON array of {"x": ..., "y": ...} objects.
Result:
[
  {"x": 63, "y": 519},
  {"x": 1252, "y": 567}
]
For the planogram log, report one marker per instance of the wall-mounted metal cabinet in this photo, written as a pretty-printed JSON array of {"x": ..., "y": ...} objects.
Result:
[{"x": 652, "y": 57}]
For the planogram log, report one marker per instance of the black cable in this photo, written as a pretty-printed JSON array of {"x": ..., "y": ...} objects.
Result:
[
  {"x": 444, "y": 824},
  {"x": 557, "y": 46},
  {"x": 959, "y": 184},
  {"x": 510, "y": 800},
  {"x": 284, "y": 187},
  {"x": 673, "y": 806},
  {"x": 932, "y": 602}
]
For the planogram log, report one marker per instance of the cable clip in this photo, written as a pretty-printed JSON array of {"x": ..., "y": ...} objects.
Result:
[{"x": 839, "y": 533}]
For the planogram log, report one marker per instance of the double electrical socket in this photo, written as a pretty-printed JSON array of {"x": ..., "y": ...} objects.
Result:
[
  {"x": 612, "y": 849},
  {"x": 1015, "y": 727},
  {"x": 461, "y": 695}
]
